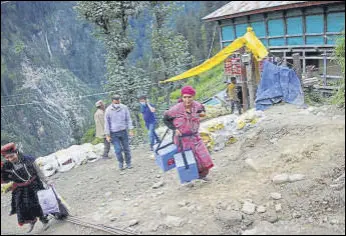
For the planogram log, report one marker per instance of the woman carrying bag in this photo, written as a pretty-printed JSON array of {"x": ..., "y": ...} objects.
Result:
[
  {"x": 27, "y": 180},
  {"x": 184, "y": 119}
]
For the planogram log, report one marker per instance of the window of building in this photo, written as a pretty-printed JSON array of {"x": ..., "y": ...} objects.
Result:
[
  {"x": 277, "y": 42},
  {"x": 240, "y": 29},
  {"x": 259, "y": 28},
  {"x": 276, "y": 27},
  {"x": 316, "y": 40},
  {"x": 295, "y": 41},
  {"x": 336, "y": 22},
  {"x": 295, "y": 25},
  {"x": 227, "y": 33},
  {"x": 314, "y": 24}
]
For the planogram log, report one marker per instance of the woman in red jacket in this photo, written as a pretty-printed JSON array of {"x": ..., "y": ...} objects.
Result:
[{"x": 184, "y": 119}]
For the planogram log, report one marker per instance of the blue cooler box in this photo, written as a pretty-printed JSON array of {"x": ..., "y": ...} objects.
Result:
[
  {"x": 165, "y": 157},
  {"x": 186, "y": 175}
]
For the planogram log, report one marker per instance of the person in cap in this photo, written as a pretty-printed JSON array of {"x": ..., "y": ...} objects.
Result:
[
  {"x": 118, "y": 127},
  {"x": 184, "y": 119},
  {"x": 99, "y": 118},
  {"x": 27, "y": 179},
  {"x": 148, "y": 111}
]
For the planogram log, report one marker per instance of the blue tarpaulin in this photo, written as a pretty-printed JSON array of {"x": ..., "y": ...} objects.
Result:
[{"x": 278, "y": 84}]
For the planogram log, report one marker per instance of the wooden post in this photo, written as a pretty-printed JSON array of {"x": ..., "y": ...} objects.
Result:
[
  {"x": 244, "y": 83},
  {"x": 244, "y": 87},
  {"x": 324, "y": 68},
  {"x": 297, "y": 66},
  {"x": 304, "y": 64},
  {"x": 251, "y": 83}
]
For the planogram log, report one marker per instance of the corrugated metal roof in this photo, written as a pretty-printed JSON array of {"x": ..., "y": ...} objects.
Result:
[{"x": 242, "y": 7}]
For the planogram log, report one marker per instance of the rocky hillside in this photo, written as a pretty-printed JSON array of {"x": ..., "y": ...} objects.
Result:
[
  {"x": 49, "y": 60},
  {"x": 284, "y": 175}
]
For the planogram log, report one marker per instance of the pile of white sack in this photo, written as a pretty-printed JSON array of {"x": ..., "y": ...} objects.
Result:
[{"x": 66, "y": 159}]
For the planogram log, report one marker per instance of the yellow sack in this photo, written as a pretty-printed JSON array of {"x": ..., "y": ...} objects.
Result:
[
  {"x": 254, "y": 121},
  {"x": 207, "y": 140},
  {"x": 6, "y": 187},
  {"x": 232, "y": 140},
  {"x": 213, "y": 128},
  {"x": 206, "y": 137},
  {"x": 240, "y": 124}
]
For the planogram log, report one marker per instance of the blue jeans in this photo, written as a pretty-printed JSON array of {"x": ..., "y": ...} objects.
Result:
[
  {"x": 152, "y": 134},
  {"x": 120, "y": 140}
]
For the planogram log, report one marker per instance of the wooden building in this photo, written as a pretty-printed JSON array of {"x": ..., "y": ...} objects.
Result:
[{"x": 309, "y": 28}]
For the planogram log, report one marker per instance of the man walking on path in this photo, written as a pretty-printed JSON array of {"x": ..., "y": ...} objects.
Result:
[
  {"x": 118, "y": 125},
  {"x": 99, "y": 118},
  {"x": 148, "y": 112}
]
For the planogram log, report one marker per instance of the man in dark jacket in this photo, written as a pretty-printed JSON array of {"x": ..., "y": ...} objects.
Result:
[{"x": 148, "y": 111}]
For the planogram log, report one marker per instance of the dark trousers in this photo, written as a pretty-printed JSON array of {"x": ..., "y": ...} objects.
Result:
[
  {"x": 107, "y": 147},
  {"x": 152, "y": 134},
  {"x": 237, "y": 104},
  {"x": 120, "y": 141}
]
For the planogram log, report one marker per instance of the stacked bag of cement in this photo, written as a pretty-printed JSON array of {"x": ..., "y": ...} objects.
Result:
[
  {"x": 249, "y": 119},
  {"x": 215, "y": 111},
  {"x": 222, "y": 131},
  {"x": 66, "y": 159}
]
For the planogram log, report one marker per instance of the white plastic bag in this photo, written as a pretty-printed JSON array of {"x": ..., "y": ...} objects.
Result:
[{"x": 48, "y": 202}]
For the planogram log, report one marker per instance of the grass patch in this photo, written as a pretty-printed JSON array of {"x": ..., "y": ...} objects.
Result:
[
  {"x": 89, "y": 136},
  {"x": 339, "y": 55},
  {"x": 206, "y": 84}
]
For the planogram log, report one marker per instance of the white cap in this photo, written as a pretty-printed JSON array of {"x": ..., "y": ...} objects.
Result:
[{"x": 98, "y": 103}]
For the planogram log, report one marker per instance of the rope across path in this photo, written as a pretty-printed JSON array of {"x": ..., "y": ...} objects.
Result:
[{"x": 105, "y": 228}]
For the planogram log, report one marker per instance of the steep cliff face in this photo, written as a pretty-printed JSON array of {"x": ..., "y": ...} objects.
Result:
[{"x": 50, "y": 62}]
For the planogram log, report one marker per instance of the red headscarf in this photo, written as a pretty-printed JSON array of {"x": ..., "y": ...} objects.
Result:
[
  {"x": 188, "y": 90},
  {"x": 8, "y": 148}
]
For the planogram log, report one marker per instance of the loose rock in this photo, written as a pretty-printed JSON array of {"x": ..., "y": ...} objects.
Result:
[
  {"x": 280, "y": 179},
  {"x": 275, "y": 196},
  {"x": 296, "y": 177},
  {"x": 248, "y": 208},
  {"x": 278, "y": 207},
  {"x": 261, "y": 209},
  {"x": 158, "y": 185},
  {"x": 132, "y": 223}
]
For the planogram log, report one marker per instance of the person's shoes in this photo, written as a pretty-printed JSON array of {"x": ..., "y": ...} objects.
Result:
[
  {"x": 31, "y": 226},
  {"x": 105, "y": 158},
  {"x": 129, "y": 167},
  {"x": 206, "y": 179},
  {"x": 189, "y": 185},
  {"x": 45, "y": 226}
]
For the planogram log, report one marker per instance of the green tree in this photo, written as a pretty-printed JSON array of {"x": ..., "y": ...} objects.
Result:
[
  {"x": 339, "y": 54},
  {"x": 170, "y": 55},
  {"x": 112, "y": 19}
]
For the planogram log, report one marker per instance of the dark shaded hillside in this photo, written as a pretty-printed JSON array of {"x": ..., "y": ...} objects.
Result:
[{"x": 47, "y": 57}]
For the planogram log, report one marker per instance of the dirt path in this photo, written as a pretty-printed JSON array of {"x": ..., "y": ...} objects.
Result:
[{"x": 288, "y": 141}]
